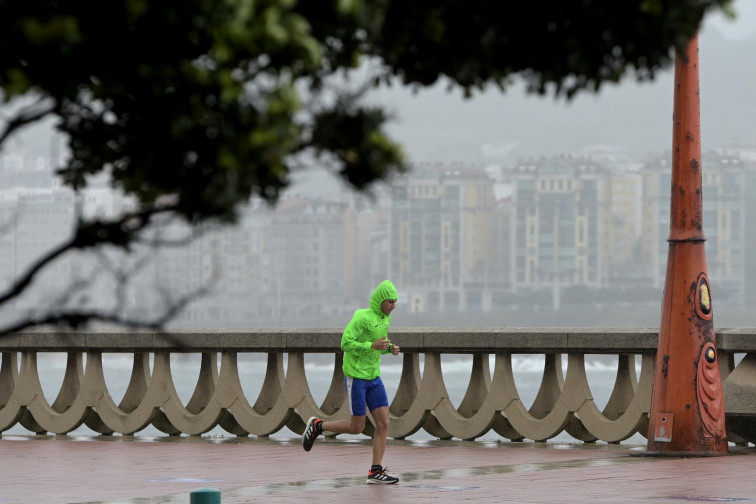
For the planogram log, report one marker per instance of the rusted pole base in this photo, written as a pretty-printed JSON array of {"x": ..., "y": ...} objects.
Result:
[{"x": 687, "y": 408}]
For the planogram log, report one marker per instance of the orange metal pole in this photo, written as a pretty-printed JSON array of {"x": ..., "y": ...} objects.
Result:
[{"x": 687, "y": 406}]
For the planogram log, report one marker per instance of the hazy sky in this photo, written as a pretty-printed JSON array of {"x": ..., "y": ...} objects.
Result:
[{"x": 437, "y": 124}]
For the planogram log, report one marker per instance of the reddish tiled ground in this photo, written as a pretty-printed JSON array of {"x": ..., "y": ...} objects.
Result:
[{"x": 121, "y": 470}]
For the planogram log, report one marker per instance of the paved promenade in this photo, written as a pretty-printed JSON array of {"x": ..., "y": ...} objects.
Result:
[{"x": 123, "y": 470}]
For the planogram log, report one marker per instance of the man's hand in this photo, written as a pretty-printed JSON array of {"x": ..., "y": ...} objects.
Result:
[
  {"x": 381, "y": 344},
  {"x": 394, "y": 349}
]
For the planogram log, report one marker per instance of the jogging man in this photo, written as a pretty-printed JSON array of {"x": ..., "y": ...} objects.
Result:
[{"x": 364, "y": 340}]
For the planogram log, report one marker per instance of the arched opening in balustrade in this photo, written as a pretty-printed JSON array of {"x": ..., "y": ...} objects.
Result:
[
  {"x": 528, "y": 371},
  {"x": 186, "y": 369},
  {"x": 601, "y": 373},
  {"x": 51, "y": 367},
  {"x": 319, "y": 369},
  {"x": 117, "y": 369},
  {"x": 456, "y": 371},
  {"x": 252, "y": 367},
  {"x": 391, "y": 373}
]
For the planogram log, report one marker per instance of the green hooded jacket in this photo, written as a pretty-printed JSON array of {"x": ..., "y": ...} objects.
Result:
[{"x": 367, "y": 326}]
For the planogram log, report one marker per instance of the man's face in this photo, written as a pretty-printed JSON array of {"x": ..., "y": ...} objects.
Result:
[{"x": 388, "y": 306}]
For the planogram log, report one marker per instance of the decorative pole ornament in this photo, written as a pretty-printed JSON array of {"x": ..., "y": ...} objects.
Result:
[{"x": 687, "y": 405}]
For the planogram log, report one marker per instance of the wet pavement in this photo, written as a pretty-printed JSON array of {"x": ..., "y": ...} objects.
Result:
[{"x": 49, "y": 469}]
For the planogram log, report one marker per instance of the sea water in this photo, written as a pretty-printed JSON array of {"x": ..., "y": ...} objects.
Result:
[{"x": 527, "y": 369}]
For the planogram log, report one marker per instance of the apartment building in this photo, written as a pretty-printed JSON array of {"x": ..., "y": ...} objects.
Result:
[
  {"x": 729, "y": 214},
  {"x": 42, "y": 220},
  {"x": 309, "y": 250},
  {"x": 622, "y": 226},
  {"x": 560, "y": 208},
  {"x": 442, "y": 238}
]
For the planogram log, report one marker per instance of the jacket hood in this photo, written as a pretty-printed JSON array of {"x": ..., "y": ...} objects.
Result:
[{"x": 384, "y": 291}]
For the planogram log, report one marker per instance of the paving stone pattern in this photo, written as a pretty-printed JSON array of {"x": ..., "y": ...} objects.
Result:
[{"x": 51, "y": 469}]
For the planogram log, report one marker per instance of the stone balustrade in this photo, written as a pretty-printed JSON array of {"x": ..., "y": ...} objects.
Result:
[{"x": 492, "y": 402}]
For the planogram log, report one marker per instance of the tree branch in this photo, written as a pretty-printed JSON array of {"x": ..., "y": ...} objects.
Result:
[
  {"x": 24, "y": 117},
  {"x": 118, "y": 232},
  {"x": 78, "y": 318}
]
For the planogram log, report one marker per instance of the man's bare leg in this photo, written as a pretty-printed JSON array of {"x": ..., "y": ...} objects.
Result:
[
  {"x": 355, "y": 426},
  {"x": 381, "y": 419}
]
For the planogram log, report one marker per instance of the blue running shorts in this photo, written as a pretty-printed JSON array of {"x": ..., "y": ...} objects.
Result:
[{"x": 365, "y": 392}]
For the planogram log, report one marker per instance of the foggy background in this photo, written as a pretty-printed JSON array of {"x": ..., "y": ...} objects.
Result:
[{"x": 260, "y": 275}]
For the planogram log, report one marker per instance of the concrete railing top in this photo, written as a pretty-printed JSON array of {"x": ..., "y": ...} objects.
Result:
[{"x": 590, "y": 340}]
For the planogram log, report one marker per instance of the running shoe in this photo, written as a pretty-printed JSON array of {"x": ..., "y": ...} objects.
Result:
[
  {"x": 312, "y": 431},
  {"x": 380, "y": 477}
]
